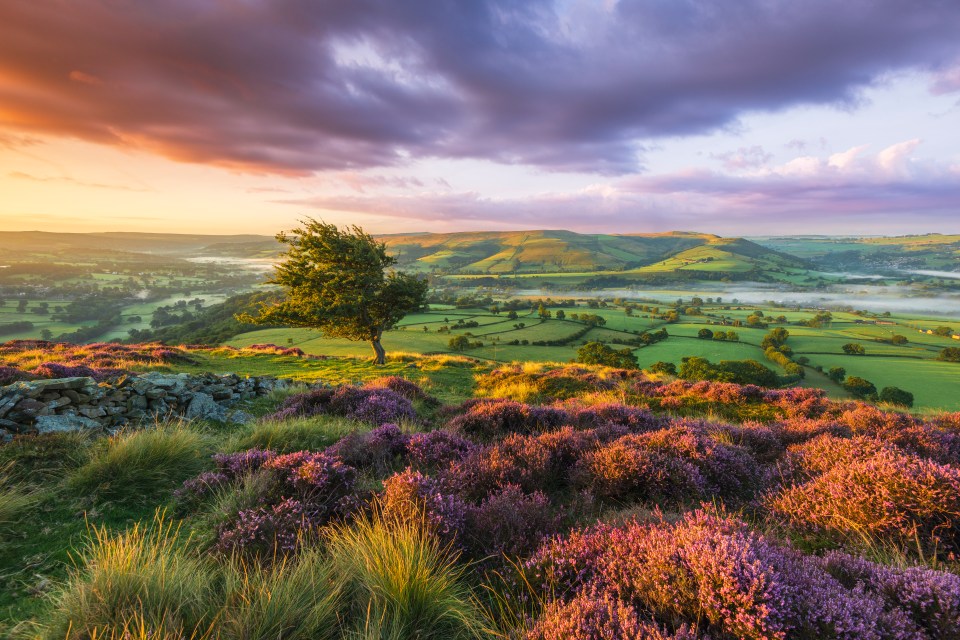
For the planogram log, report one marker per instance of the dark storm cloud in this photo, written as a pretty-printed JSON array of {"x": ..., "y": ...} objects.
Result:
[{"x": 297, "y": 86}]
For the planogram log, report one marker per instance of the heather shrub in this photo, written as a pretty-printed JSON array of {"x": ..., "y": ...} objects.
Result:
[
  {"x": 266, "y": 503},
  {"x": 509, "y": 522},
  {"x": 904, "y": 431},
  {"x": 635, "y": 419},
  {"x": 412, "y": 496},
  {"x": 378, "y": 449},
  {"x": 302, "y": 405},
  {"x": 800, "y": 429},
  {"x": 929, "y": 599},
  {"x": 136, "y": 466},
  {"x": 597, "y": 615},
  {"x": 676, "y": 464},
  {"x": 884, "y": 495},
  {"x": 9, "y": 375},
  {"x": 436, "y": 449},
  {"x": 57, "y": 370},
  {"x": 492, "y": 419},
  {"x": 374, "y": 405},
  {"x": 403, "y": 387},
  {"x": 296, "y": 434},
  {"x": 400, "y": 577},
  {"x": 711, "y": 571}
]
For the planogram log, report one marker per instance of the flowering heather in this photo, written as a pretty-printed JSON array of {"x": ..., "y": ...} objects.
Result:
[
  {"x": 235, "y": 465},
  {"x": 711, "y": 571},
  {"x": 436, "y": 449},
  {"x": 509, "y": 522},
  {"x": 635, "y": 419},
  {"x": 376, "y": 449},
  {"x": 904, "y": 431},
  {"x": 930, "y": 599},
  {"x": 262, "y": 531},
  {"x": 409, "y": 390},
  {"x": 56, "y": 370},
  {"x": 798, "y": 429},
  {"x": 9, "y": 375},
  {"x": 544, "y": 462},
  {"x": 28, "y": 354},
  {"x": 598, "y": 615},
  {"x": 410, "y": 494},
  {"x": 676, "y": 464},
  {"x": 492, "y": 419},
  {"x": 276, "y": 349},
  {"x": 380, "y": 406},
  {"x": 376, "y": 405},
  {"x": 884, "y": 495}
]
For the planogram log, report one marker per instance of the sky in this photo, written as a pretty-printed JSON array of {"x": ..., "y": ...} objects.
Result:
[{"x": 735, "y": 117}]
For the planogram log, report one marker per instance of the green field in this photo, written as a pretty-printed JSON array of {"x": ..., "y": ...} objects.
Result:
[{"x": 912, "y": 366}]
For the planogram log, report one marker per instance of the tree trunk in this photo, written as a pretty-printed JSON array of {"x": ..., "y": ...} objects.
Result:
[{"x": 378, "y": 350}]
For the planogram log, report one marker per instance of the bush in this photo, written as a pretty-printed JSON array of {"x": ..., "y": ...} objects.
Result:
[
  {"x": 897, "y": 396},
  {"x": 599, "y": 353},
  {"x": 950, "y": 354},
  {"x": 854, "y": 349},
  {"x": 137, "y": 466},
  {"x": 491, "y": 419},
  {"x": 664, "y": 367},
  {"x": 707, "y": 571},
  {"x": 859, "y": 387},
  {"x": 883, "y": 496}
]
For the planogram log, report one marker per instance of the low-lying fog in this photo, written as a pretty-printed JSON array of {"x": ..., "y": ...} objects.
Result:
[
  {"x": 952, "y": 275},
  {"x": 253, "y": 264},
  {"x": 869, "y": 297}
]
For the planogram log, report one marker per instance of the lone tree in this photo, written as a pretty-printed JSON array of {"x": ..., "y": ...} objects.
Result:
[{"x": 337, "y": 281}]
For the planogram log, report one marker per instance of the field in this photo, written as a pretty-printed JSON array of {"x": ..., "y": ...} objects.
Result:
[{"x": 912, "y": 366}]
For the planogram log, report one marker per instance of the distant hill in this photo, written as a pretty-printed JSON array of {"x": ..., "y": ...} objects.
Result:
[
  {"x": 565, "y": 252},
  {"x": 929, "y": 251}
]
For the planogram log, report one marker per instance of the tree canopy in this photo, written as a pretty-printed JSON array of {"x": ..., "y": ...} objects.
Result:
[{"x": 338, "y": 281}]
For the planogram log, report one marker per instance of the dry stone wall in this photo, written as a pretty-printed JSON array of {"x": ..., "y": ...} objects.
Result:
[{"x": 68, "y": 404}]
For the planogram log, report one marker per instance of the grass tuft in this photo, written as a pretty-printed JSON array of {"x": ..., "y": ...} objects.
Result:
[
  {"x": 403, "y": 582},
  {"x": 137, "y": 466}
]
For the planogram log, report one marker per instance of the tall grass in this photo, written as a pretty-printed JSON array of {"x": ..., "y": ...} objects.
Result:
[
  {"x": 139, "y": 578},
  {"x": 136, "y": 466},
  {"x": 402, "y": 582},
  {"x": 296, "y": 599},
  {"x": 15, "y": 500},
  {"x": 297, "y": 434}
]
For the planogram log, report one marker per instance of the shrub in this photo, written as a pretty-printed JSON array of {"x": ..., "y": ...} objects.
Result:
[
  {"x": 436, "y": 449},
  {"x": 859, "y": 387},
  {"x": 664, "y": 367},
  {"x": 410, "y": 495},
  {"x": 599, "y": 353},
  {"x": 509, "y": 522},
  {"x": 896, "y": 395},
  {"x": 708, "y": 570},
  {"x": 884, "y": 496},
  {"x": 400, "y": 578},
  {"x": 950, "y": 354},
  {"x": 375, "y": 405},
  {"x": 492, "y": 419},
  {"x": 137, "y": 466},
  {"x": 401, "y": 386},
  {"x": 9, "y": 375},
  {"x": 377, "y": 449}
]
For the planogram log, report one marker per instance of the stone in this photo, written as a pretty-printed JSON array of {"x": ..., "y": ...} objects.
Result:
[
  {"x": 155, "y": 393},
  {"x": 8, "y": 402},
  {"x": 240, "y": 416},
  {"x": 61, "y": 384},
  {"x": 62, "y": 401},
  {"x": 203, "y": 406},
  {"x": 48, "y": 424}
]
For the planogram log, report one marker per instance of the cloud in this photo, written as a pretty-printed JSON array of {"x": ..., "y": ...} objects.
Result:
[
  {"x": 301, "y": 86},
  {"x": 851, "y": 192},
  {"x": 20, "y": 175},
  {"x": 744, "y": 158}
]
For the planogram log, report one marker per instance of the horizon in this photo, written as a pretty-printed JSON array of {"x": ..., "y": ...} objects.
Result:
[{"x": 750, "y": 119}]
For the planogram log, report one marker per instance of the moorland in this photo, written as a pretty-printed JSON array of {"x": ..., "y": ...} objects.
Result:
[{"x": 670, "y": 436}]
